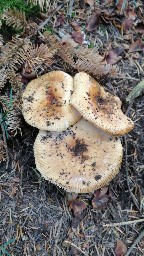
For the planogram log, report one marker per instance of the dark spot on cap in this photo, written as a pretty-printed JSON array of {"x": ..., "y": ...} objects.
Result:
[
  {"x": 29, "y": 99},
  {"x": 93, "y": 164},
  {"x": 79, "y": 148},
  {"x": 48, "y": 123},
  {"x": 98, "y": 177}
]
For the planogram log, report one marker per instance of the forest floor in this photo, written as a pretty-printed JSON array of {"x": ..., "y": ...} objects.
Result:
[{"x": 35, "y": 217}]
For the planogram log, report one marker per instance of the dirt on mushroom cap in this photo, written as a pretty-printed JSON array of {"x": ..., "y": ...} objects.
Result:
[
  {"x": 46, "y": 102},
  {"x": 98, "y": 106},
  {"x": 80, "y": 159}
]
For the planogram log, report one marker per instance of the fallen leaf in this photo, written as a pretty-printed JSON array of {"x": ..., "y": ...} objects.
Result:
[
  {"x": 114, "y": 55},
  {"x": 77, "y": 207},
  {"x": 75, "y": 26},
  {"x": 137, "y": 90},
  {"x": 13, "y": 191},
  {"x": 60, "y": 21},
  {"x": 121, "y": 5},
  {"x": 120, "y": 249},
  {"x": 94, "y": 21},
  {"x": 100, "y": 192},
  {"x": 127, "y": 24},
  {"x": 89, "y": 2},
  {"x": 136, "y": 46},
  {"x": 100, "y": 203},
  {"x": 130, "y": 13},
  {"x": 71, "y": 197},
  {"x": 103, "y": 190},
  {"x": 107, "y": 16},
  {"x": 68, "y": 39},
  {"x": 78, "y": 36}
]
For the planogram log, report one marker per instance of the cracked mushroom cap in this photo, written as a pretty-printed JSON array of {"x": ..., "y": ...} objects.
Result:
[
  {"x": 46, "y": 102},
  {"x": 98, "y": 106},
  {"x": 80, "y": 159}
]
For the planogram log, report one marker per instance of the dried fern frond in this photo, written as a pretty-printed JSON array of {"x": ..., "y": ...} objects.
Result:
[
  {"x": 3, "y": 77},
  {"x": 2, "y": 151},
  {"x": 82, "y": 59},
  {"x": 15, "y": 80},
  {"x": 12, "y": 113},
  {"x": 13, "y": 53},
  {"x": 1, "y": 40},
  {"x": 14, "y": 18},
  {"x": 12, "y": 58},
  {"x": 20, "y": 53},
  {"x": 38, "y": 56}
]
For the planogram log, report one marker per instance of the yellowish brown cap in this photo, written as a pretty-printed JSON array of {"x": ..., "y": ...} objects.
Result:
[
  {"x": 80, "y": 159},
  {"x": 98, "y": 106},
  {"x": 46, "y": 102}
]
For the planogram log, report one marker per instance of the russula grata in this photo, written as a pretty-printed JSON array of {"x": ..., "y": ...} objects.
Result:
[
  {"x": 98, "y": 106},
  {"x": 46, "y": 102},
  {"x": 80, "y": 159}
]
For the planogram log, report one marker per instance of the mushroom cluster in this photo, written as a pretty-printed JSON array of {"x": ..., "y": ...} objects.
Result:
[{"x": 76, "y": 147}]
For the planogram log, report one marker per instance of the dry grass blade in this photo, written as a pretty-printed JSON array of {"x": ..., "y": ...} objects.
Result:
[{"x": 137, "y": 90}]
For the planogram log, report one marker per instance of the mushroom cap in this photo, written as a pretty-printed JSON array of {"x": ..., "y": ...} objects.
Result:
[
  {"x": 46, "y": 102},
  {"x": 98, "y": 106},
  {"x": 80, "y": 159}
]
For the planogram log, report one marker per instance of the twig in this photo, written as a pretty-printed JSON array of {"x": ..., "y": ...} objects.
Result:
[
  {"x": 126, "y": 77},
  {"x": 5, "y": 141},
  {"x": 66, "y": 242},
  {"x": 123, "y": 223},
  {"x": 139, "y": 237},
  {"x": 127, "y": 176}
]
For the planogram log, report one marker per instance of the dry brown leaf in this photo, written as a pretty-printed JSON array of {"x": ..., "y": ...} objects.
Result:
[
  {"x": 127, "y": 24},
  {"x": 68, "y": 39},
  {"x": 94, "y": 21},
  {"x": 78, "y": 36},
  {"x": 78, "y": 207},
  {"x": 13, "y": 191},
  {"x": 107, "y": 16},
  {"x": 75, "y": 26},
  {"x": 89, "y": 2},
  {"x": 114, "y": 55},
  {"x": 59, "y": 21},
  {"x": 121, "y": 5},
  {"x": 71, "y": 197},
  {"x": 101, "y": 202},
  {"x": 101, "y": 197},
  {"x": 130, "y": 13},
  {"x": 120, "y": 249},
  {"x": 136, "y": 46}
]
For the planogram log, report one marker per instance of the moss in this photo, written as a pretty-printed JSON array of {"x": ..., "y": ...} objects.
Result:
[{"x": 21, "y": 5}]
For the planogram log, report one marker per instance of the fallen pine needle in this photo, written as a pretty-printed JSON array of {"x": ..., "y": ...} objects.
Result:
[
  {"x": 123, "y": 223},
  {"x": 68, "y": 243},
  {"x": 139, "y": 237}
]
